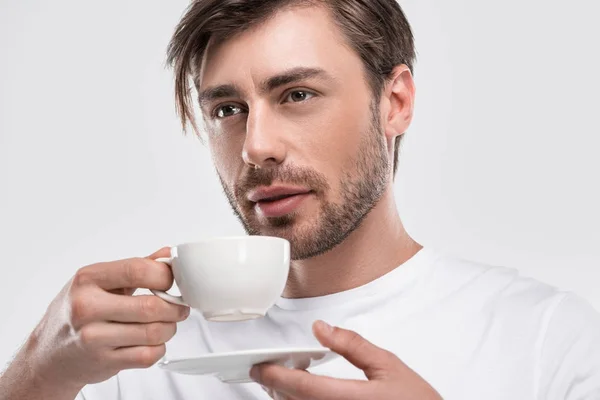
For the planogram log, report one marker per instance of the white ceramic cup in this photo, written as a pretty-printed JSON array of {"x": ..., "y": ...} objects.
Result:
[{"x": 229, "y": 278}]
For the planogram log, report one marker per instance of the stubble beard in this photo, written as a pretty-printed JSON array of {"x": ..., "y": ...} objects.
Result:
[{"x": 361, "y": 188}]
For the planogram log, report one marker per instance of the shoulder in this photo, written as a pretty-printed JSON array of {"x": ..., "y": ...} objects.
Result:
[
  {"x": 569, "y": 353},
  {"x": 503, "y": 291},
  {"x": 492, "y": 285},
  {"x": 498, "y": 288},
  {"x": 572, "y": 321}
]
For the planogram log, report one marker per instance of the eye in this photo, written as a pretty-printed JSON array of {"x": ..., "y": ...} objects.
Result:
[
  {"x": 228, "y": 110},
  {"x": 298, "y": 96}
]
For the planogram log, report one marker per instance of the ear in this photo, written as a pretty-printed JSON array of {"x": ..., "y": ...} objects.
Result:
[{"x": 398, "y": 102}]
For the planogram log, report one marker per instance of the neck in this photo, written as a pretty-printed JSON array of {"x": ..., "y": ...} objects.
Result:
[{"x": 378, "y": 246}]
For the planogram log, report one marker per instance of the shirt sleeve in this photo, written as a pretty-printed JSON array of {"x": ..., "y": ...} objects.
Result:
[{"x": 570, "y": 355}]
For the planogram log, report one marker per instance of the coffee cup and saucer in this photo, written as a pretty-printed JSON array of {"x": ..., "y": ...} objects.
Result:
[{"x": 234, "y": 279}]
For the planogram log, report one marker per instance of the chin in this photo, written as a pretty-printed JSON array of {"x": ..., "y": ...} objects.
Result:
[
  {"x": 284, "y": 232},
  {"x": 283, "y": 227}
]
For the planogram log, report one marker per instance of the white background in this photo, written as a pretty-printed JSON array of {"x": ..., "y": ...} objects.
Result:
[{"x": 501, "y": 164}]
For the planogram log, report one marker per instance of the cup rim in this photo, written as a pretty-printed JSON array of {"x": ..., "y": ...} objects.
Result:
[{"x": 210, "y": 239}]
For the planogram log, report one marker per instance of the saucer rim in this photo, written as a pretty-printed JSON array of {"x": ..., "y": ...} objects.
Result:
[{"x": 249, "y": 352}]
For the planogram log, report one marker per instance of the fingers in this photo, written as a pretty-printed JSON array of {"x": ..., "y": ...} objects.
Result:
[
  {"x": 115, "y": 335},
  {"x": 376, "y": 363},
  {"x": 137, "y": 357},
  {"x": 128, "y": 273},
  {"x": 300, "y": 384},
  {"x": 165, "y": 252},
  {"x": 146, "y": 308},
  {"x": 96, "y": 305}
]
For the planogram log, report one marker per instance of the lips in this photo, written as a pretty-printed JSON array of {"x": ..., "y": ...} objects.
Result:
[
  {"x": 278, "y": 201},
  {"x": 275, "y": 193}
]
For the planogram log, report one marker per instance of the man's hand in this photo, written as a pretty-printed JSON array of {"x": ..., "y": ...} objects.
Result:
[
  {"x": 388, "y": 377},
  {"x": 94, "y": 328}
]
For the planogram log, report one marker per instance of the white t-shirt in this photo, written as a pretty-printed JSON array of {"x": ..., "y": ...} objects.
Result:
[{"x": 473, "y": 331}]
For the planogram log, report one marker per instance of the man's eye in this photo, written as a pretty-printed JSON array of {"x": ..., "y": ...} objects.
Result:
[
  {"x": 298, "y": 95},
  {"x": 227, "y": 111}
]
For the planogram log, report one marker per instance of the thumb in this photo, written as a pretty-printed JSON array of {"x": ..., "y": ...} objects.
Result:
[{"x": 376, "y": 362}]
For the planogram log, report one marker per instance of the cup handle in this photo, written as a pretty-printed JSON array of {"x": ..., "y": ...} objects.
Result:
[{"x": 164, "y": 295}]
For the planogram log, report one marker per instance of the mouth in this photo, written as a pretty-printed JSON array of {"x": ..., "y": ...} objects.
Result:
[
  {"x": 275, "y": 193},
  {"x": 281, "y": 205},
  {"x": 278, "y": 201},
  {"x": 277, "y": 198}
]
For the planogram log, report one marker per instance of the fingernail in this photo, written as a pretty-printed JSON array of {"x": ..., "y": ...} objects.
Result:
[
  {"x": 255, "y": 374},
  {"x": 325, "y": 327}
]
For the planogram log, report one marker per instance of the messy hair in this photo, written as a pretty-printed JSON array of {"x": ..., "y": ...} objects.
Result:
[{"x": 376, "y": 29}]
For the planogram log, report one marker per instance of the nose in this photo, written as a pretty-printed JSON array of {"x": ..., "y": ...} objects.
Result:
[{"x": 264, "y": 144}]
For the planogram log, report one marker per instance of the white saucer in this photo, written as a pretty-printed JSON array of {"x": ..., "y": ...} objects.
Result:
[{"x": 234, "y": 367}]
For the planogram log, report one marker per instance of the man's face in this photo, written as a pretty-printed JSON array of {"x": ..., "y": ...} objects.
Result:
[{"x": 291, "y": 97}]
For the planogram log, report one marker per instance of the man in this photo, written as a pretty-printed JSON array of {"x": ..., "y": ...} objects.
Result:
[{"x": 308, "y": 100}]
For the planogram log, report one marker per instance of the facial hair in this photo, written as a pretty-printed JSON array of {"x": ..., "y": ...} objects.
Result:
[{"x": 361, "y": 188}]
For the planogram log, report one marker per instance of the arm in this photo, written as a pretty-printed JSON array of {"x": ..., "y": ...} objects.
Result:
[
  {"x": 93, "y": 329},
  {"x": 20, "y": 382}
]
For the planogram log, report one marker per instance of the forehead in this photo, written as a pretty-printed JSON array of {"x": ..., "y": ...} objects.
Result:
[{"x": 294, "y": 37}]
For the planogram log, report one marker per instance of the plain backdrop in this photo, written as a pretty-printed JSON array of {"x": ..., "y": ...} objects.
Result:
[{"x": 501, "y": 164}]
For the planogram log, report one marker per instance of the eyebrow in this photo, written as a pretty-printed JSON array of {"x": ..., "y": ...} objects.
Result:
[
  {"x": 217, "y": 92},
  {"x": 292, "y": 75}
]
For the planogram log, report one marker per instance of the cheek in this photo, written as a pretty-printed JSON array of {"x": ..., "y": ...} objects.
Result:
[
  {"x": 333, "y": 136},
  {"x": 226, "y": 157}
]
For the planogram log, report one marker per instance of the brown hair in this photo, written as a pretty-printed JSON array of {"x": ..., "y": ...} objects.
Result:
[{"x": 376, "y": 29}]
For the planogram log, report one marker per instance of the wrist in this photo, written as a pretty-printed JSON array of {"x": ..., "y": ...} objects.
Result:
[{"x": 29, "y": 379}]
